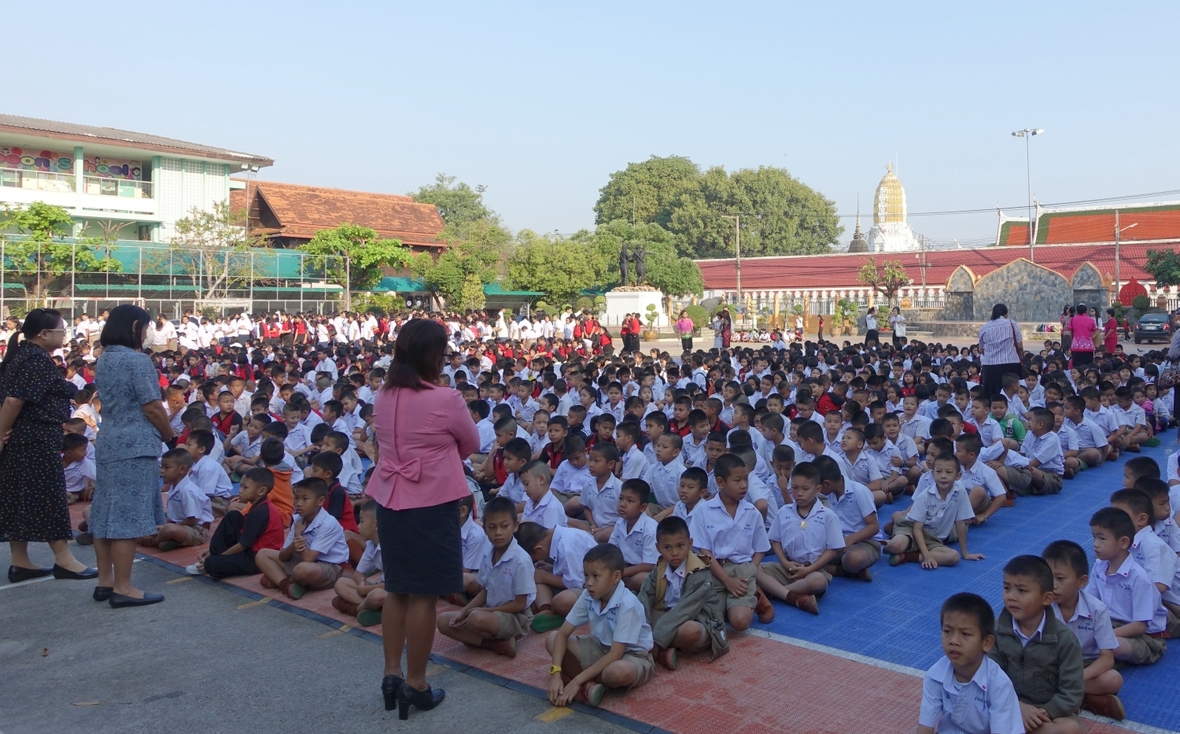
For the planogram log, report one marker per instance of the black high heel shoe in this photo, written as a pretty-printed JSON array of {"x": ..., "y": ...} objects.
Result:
[
  {"x": 422, "y": 700},
  {"x": 390, "y": 685}
]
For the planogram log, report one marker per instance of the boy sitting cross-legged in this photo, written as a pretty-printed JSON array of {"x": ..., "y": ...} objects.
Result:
[
  {"x": 189, "y": 514},
  {"x": 557, "y": 555},
  {"x": 617, "y": 652},
  {"x": 243, "y": 532},
  {"x": 314, "y": 549},
  {"x": 805, "y": 537},
  {"x": 853, "y": 505},
  {"x": 733, "y": 532},
  {"x": 499, "y": 614},
  {"x": 683, "y": 608},
  {"x": 635, "y": 533},
  {"x": 966, "y": 691},
  {"x": 1039, "y": 653},
  {"x": 939, "y": 511},
  {"x": 355, "y": 595}
]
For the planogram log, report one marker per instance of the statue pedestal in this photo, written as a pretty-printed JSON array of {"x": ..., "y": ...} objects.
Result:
[{"x": 620, "y": 303}]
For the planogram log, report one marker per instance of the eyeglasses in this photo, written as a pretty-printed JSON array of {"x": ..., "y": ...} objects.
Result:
[{"x": 55, "y": 331}]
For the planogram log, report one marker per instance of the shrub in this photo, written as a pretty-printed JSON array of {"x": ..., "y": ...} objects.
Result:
[
  {"x": 699, "y": 316},
  {"x": 1141, "y": 303},
  {"x": 583, "y": 304},
  {"x": 543, "y": 306}
]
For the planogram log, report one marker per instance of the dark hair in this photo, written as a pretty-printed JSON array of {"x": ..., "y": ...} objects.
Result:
[
  {"x": 71, "y": 441},
  {"x": 417, "y": 355},
  {"x": 1136, "y": 501},
  {"x": 639, "y": 488},
  {"x": 36, "y": 321},
  {"x": 202, "y": 438},
  {"x": 518, "y": 448},
  {"x": 608, "y": 451},
  {"x": 272, "y": 451},
  {"x": 1069, "y": 553},
  {"x": 1152, "y": 487},
  {"x": 1115, "y": 520},
  {"x": 125, "y": 326},
  {"x": 329, "y": 461},
  {"x": 807, "y": 470},
  {"x": 999, "y": 310},
  {"x": 975, "y": 606},
  {"x": 698, "y": 475},
  {"x": 261, "y": 476},
  {"x": 725, "y": 465},
  {"x": 608, "y": 555},
  {"x": 670, "y": 525},
  {"x": 1033, "y": 567},
  {"x": 1143, "y": 466},
  {"x": 315, "y": 485},
  {"x": 529, "y": 534},
  {"x": 499, "y": 506},
  {"x": 177, "y": 456}
]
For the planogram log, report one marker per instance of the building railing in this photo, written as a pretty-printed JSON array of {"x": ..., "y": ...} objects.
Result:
[
  {"x": 107, "y": 186},
  {"x": 36, "y": 180}
]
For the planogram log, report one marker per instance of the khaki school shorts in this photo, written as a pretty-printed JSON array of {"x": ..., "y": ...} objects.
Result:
[
  {"x": 329, "y": 573},
  {"x": 1018, "y": 479},
  {"x": 746, "y": 572},
  {"x": 512, "y": 626},
  {"x": 589, "y": 651},
  {"x": 1053, "y": 484},
  {"x": 197, "y": 535},
  {"x": 871, "y": 547},
  {"x": 1145, "y": 649},
  {"x": 778, "y": 572},
  {"x": 565, "y": 496},
  {"x": 905, "y": 527}
]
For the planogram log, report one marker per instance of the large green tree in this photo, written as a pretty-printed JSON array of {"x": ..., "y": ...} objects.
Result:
[
  {"x": 456, "y": 271},
  {"x": 458, "y": 203},
  {"x": 365, "y": 253},
  {"x": 39, "y": 257},
  {"x": 561, "y": 268},
  {"x": 645, "y": 192}
]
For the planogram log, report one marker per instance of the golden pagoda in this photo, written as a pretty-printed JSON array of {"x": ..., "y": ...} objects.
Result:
[{"x": 890, "y": 233}]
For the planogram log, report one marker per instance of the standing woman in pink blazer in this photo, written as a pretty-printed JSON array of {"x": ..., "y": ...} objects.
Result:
[{"x": 422, "y": 431}]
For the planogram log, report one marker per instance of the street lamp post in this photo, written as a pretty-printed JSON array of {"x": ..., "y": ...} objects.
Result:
[
  {"x": 1117, "y": 233},
  {"x": 1027, "y": 133},
  {"x": 737, "y": 251}
]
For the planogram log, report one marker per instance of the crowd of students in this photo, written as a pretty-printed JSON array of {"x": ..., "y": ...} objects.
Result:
[{"x": 664, "y": 500}]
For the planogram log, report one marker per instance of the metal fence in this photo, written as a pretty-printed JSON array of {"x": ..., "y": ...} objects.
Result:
[{"x": 78, "y": 278}]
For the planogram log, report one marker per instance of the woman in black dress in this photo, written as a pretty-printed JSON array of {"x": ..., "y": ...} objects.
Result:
[{"x": 36, "y": 401}]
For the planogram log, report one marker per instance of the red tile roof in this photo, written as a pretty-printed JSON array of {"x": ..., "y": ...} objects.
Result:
[
  {"x": 1081, "y": 226},
  {"x": 302, "y": 211},
  {"x": 839, "y": 270}
]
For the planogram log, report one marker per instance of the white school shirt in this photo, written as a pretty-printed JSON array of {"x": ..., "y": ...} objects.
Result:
[
  {"x": 1090, "y": 624},
  {"x": 1090, "y": 434},
  {"x": 1169, "y": 532},
  {"x": 507, "y": 578},
  {"x": 852, "y": 507},
  {"x": 622, "y": 620},
  {"x": 1157, "y": 559},
  {"x": 352, "y": 472},
  {"x": 547, "y": 512},
  {"x": 487, "y": 435},
  {"x": 77, "y": 474},
  {"x": 1173, "y": 475},
  {"x": 938, "y": 516},
  {"x": 681, "y": 510},
  {"x": 186, "y": 500},
  {"x": 1129, "y": 594},
  {"x": 342, "y": 426},
  {"x": 987, "y": 704},
  {"x": 569, "y": 478},
  {"x": 905, "y": 444},
  {"x": 664, "y": 480},
  {"x": 475, "y": 542},
  {"x": 603, "y": 504},
  {"x": 1047, "y": 450},
  {"x": 567, "y": 549},
  {"x": 513, "y": 489},
  {"x": 639, "y": 543},
  {"x": 884, "y": 457},
  {"x": 211, "y": 478},
  {"x": 297, "y": 438},
  {"x": 244, "y": 446},
  {"x": 370, "y": 561},
  {"x": 864, "y": 470},
  {"x": 674, "y": 586},
  {"x": 296, "y": 472},
  {"x": 735, "y": 539},
  {"x": 693, "y": 453},
  {"x": 1104, "y": 419},
  {"x": 982, "y": 475},
  {"x": 916, "y": 427},
  {"x": 1068, "y": 437},
  {"x": 805, "y": 539},
  {"x": 760, "y": 490},
  {"x": 323, "y": 535},
  {"x": 634, "y": 464}
]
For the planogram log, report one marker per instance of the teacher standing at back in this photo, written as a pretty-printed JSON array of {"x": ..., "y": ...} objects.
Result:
[{"x": 1002, "y": 345}]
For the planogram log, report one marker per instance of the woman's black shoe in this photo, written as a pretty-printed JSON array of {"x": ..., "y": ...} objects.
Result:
[
  {"x": 17, "y": 574},
  {"x": 103, "y": 593},
  {"x": 422, "y": 700},
  {"x": 118, "y": 601},
  {"x": 390, "y": 685},
  {"x": 66, "y": 574}
]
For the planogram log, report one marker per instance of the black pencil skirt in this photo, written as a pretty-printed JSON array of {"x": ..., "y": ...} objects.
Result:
[{"x": 421, "y": 549}]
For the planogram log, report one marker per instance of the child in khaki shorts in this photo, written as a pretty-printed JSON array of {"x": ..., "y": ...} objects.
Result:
[
  {"x": 314, "y": 549},
  {"x": 189, "y": 513},
  {"x": 617, "y": 652},
  {"x": 499, "y": 614}
]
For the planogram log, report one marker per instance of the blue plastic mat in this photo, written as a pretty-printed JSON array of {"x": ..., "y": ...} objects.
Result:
[{"x": 895, "y": 618}]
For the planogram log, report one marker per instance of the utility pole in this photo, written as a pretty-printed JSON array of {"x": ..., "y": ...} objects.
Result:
[
  {"x": 737, "y": 251},
  {"x": 1117, "y": 237}
]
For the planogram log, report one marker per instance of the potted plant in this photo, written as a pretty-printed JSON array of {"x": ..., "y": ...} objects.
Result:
[
  {"x": 699, "y": 316},
  {"x": 652, "y": 316}
]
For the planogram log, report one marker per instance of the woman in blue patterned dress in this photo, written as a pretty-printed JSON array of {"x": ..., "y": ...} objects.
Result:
[{"x": 127, "y": 502}]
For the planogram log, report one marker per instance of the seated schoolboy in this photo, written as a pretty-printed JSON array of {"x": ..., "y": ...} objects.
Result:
[
  {"x": 983, "y": 485},
  {"x": 1092, "y": 444},
  {"x": 557, "y": 554},
  {"x": 939, "y": 512},
  {"x": 79, "y": 471},
  {"x": 598, "y": 501},
  {"x": 242, "y": 452},
  {"x": 966, "y": 691},
  {"x": 1132, "y": 417},
  {"x": 733, "y": 532},
  {"x": 314, "y": 548},
  {"x": 632, "y": 462},
  {"x": 663, "y": 476},
  {"x": 889, "y": 462},
  {"x": 351, "y": 468},
  {"x": 1147, "y": 549},
  {"x": 693, "y": 488},
  {"x": 1045, "y": 470},
  {"x": 678, "y": 597},
  {"x": 490, "y": 473},
  {"x": 207, "y": 472},
  {"x": 571, "y": 473},
  {"x": 240, "y": 535},
  {"x": 273, "y": 459},
  {"x": 1088, "y": 618},
  {"x": 514, "y": 455},
  {"x": 634, "y": 533},
  {"x": 805, "y": 537},
  {"x": 617, "y": 652},
  {"x": 475, "y": 542},
  {"x": 853, "y": 504},
  {"x": 361, "y": 595},
  {"x": 188, "y": 512},
  {"x": 1139, "y": 466},
  {"x": 326, "y": 466},
  {"x": 1040, "y": 654},
  {"x": 540, "y": 506},
  {"x": 1165, "y": 529},
  {"x": 1139, "y": 619},
  {"x": 498, "y": 614}
]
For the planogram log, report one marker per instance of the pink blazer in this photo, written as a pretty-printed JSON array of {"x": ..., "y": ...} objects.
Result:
[{"x": 422, "y": 437}]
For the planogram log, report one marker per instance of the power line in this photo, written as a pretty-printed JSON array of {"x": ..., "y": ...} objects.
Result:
[{"x": 992, "y": 210}]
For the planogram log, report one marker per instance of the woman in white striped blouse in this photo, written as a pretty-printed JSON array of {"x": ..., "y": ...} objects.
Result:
[{"x": 1002, "y": 348}]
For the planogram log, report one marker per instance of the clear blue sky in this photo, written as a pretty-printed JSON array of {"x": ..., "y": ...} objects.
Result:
[{"x": 541, "y": 101}]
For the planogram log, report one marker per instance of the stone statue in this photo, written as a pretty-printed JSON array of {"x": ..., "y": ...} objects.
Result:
[
  {"x": 639, "y": 257},
  {"x": 623, "y": 260}
]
